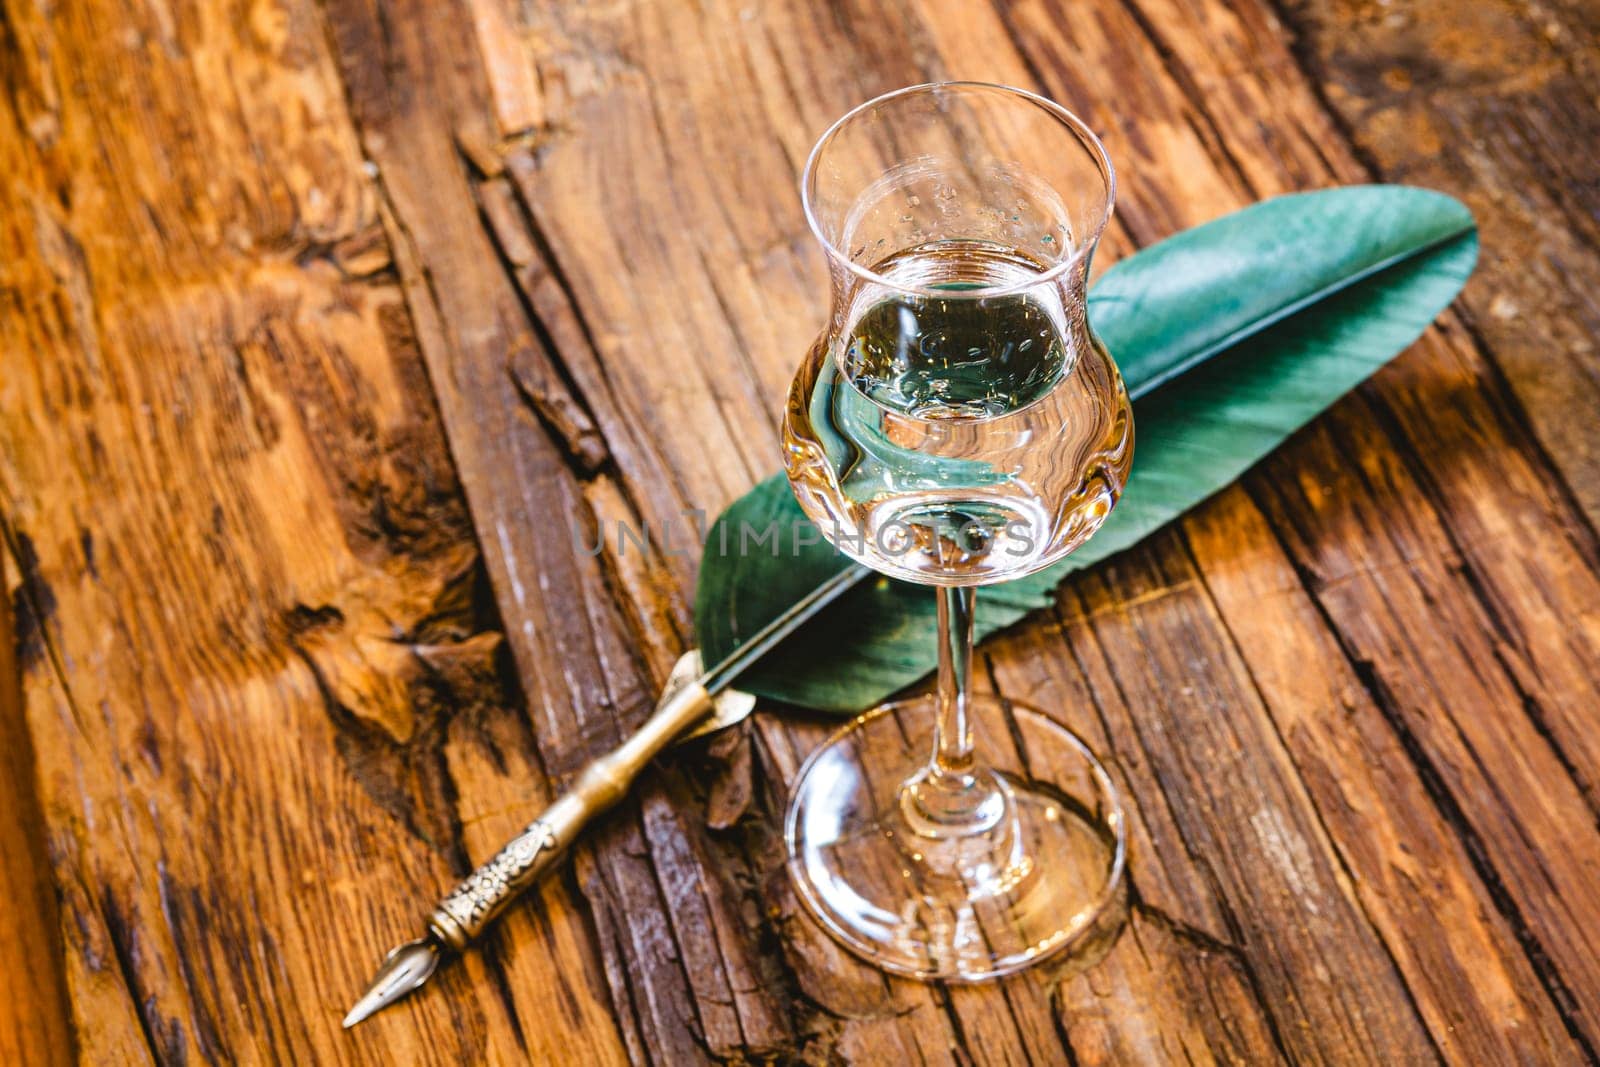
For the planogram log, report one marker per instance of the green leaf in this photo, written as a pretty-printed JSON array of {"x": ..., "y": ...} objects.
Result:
[{"x": 1230, "y": 336}]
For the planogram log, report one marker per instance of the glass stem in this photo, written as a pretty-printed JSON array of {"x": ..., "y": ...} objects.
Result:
[
  {"x": 953, "y": 796},
  {"x": 952, "y": 755}
]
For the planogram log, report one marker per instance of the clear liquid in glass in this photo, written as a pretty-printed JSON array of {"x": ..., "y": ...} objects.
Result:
[{"x": 956, "y": 440}]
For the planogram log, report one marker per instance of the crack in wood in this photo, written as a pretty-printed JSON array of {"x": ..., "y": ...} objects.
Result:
[
  {"x": 1251, "y": 961},
  {"x": 544, "y": 383},
  {"x": 164, "y": 1044},
  {"x": 1348, "y": 876},
  {"x": 1575, "y": 517},
  {"x": 33, "y": 605},
  {"x": 490, "y": 951},
  {"x": 35, "y": 1012}
]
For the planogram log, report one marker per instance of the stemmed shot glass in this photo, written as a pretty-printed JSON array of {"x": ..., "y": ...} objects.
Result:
[{"x": 957, "y": 424}]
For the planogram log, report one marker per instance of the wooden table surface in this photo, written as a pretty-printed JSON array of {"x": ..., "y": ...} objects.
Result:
[{"x": 321, "y": 319}]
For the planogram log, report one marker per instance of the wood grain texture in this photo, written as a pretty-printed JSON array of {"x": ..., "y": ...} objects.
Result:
[
  {"x": 34, "y": 1017},
  {"x": 264, "y": 661},
  {"x": 333, "y": 331},
  {"x": 1495, "y": 102}
]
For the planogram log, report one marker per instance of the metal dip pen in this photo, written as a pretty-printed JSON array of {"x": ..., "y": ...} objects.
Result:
[{"x": 693, "y": 703}]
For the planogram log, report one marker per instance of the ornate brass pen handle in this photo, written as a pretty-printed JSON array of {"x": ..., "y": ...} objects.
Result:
[{"x": 484, "y": 894}]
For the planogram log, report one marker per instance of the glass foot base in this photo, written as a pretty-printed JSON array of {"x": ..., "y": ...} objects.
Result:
[{"x": 962, "y": 908}]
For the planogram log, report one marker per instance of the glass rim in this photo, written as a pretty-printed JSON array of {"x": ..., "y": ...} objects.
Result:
[{"x": 1079, "y": 128}]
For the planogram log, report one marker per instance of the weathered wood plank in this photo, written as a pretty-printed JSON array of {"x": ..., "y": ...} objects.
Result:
[
  {"x": 1496, "y": 103},
  {"x": 687, "y": 980},
  {"x": 1242, "y": 818},
  {"x": 1131, "y": 1006},
  {"x": 1410, "y": 868},
  {"x": 34, "y": 1016},
  {"x": 1237, "y": 58},
  {"x": 263, "y": 662},
  {"x": 1474, "y": 490}
]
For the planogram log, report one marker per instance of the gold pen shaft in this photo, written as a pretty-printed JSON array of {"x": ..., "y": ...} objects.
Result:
[{"x": 480, "y": 898}]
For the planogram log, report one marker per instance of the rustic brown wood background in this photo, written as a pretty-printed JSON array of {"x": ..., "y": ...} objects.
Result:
[{"x": 320, "y": 318}]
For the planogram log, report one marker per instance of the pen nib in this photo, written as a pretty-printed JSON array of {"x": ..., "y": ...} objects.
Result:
[{"x": 404, "y": 969}]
